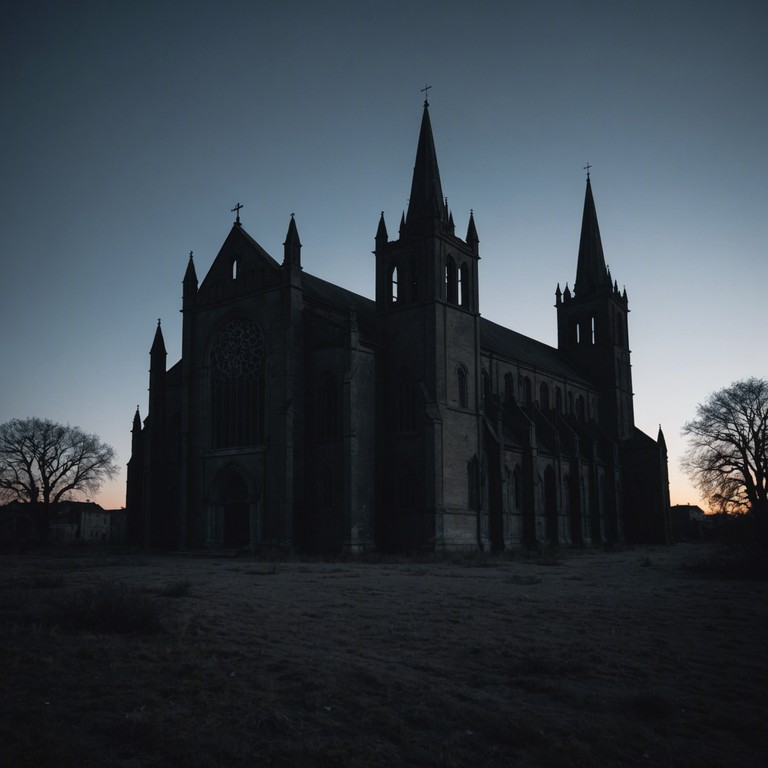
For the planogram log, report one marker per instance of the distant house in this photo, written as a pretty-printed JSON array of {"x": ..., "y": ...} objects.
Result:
[
  {"x": 71, "y": 521},
  {"x": 686, "y": 522}
]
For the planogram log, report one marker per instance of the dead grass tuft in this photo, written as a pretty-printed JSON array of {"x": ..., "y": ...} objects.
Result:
[{"x": 111, "y": 608}]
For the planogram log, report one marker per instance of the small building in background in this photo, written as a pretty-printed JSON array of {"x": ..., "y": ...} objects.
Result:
[{"x": 686, "y": 522}]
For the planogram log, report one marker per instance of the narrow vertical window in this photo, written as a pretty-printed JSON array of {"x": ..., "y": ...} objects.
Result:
[
  {"x": 463, "y": 286},
  {"x": 509, "y": 387},
  {"x": 463, "y": 394},
  {"x": 393, "y": 285},
  {"x": 450, "y": 281},
  {"x": 544, "y": 397}
]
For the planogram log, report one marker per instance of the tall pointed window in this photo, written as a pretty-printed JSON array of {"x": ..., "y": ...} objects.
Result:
[
  {"x": 393, "y": 285},
  {"x": 461, "y": 374},
  {"x": 463, "y": 286},
  {"x": 509, "y": 387},
  {"x": 544, "y": 397},
  {"x": 237, "y": 385},
  {"x": 450, "y": 281}
]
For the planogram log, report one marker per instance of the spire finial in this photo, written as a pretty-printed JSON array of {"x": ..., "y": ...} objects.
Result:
[
  {"x": 586, "y": 168},
  {"x": 236, "y": 211},
  {"x": 425, "y": 91},
  {"x": 158, "y": 322},
  {"x": 190, "y": 255}
]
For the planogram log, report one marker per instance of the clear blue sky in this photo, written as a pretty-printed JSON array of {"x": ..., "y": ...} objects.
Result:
[{"x": 130, "y": 129}]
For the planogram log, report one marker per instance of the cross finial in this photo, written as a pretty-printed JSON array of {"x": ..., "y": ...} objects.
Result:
[
  {"x": 425, "y": 91},
  {"x": 586, "y": 168},
  {"x": 158, "y": 322},
  {"x": 190, "y": 255},
  {"x": 236, "y": 211}
]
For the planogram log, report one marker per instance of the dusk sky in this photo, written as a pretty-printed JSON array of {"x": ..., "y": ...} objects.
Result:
[{"x": 130, "y": 129}]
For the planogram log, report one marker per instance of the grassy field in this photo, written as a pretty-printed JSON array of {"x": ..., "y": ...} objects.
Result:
[{"x": 592, "y": 659}]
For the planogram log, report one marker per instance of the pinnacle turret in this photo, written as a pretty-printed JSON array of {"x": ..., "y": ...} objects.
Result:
[{"x": 292, "y": 244}]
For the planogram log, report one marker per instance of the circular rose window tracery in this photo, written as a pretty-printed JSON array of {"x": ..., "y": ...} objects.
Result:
[{"x": 238, "y": 351}]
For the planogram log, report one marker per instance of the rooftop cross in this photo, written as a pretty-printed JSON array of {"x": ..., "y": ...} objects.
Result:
[
  {"x": 586, "y": 168},
  {"x": 425, "y": 91},
  {"x": 236, "y": 211}
]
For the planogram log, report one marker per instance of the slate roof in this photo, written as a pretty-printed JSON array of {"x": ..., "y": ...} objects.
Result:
[
  {"x": 503, "y": 341},
  {"x": 332, "y": 295}
]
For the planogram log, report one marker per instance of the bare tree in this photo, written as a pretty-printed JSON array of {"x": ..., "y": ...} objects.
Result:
[
  {"x": 727, "y": 456},
  {"x": 42, "y": 462}
]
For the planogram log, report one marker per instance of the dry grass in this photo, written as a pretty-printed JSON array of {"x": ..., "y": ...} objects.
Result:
[{"x": 610, "y": 659}]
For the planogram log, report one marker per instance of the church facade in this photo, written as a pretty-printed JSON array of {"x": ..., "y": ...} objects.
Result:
[{"x": 304, "y": 415}]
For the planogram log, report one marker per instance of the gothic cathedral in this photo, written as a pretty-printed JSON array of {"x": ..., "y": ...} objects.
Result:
[{"x": 304, "y": 415}]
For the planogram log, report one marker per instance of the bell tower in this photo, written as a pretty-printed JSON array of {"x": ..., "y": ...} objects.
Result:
[
  {"x": 427, "y": 318},
  {"x": 593, "y": 330}
]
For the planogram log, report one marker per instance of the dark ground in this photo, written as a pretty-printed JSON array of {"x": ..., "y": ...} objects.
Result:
[{"x": 596, "y": 659}]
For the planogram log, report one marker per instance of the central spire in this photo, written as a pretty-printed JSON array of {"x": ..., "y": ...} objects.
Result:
[
  {"x": 426, "y": 204},
  {"x": 591, "y": 272}
]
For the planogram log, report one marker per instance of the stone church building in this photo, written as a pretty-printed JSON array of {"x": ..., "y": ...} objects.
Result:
[{"x": 304, "y": 415}]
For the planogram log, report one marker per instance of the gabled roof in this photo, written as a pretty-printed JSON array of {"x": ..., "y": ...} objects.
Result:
[
  {"x": 503, "y": 341},
  {"x": 238, "y": 243},
  {"x": 336, "y": 297}
]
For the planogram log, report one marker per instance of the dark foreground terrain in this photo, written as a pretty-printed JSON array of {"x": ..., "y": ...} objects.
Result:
[{"x": 594, "y": 659}]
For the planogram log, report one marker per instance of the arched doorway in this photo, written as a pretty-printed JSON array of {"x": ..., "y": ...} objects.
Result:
[{"x": 231, "y": 511}]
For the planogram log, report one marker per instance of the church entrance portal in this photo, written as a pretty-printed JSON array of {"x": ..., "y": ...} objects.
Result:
[{"x": 232, "y": 508}]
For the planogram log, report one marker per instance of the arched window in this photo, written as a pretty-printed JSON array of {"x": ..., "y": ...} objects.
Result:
[
  {"x": 570, "y": 403},
  {"x": 580, "y": 408},
  {"x": 544, "y": 397},
  {"x": 573, "y": 329},
  {"x": 558, "y": 400},
  {"x": 486, "y": 385},
  {"x": 450, "y": 281},
  {"x": 393, "y": 285},
  {"x": 517, "y": 479},
  {"x": 593, "y": 330},
  {"x": 525, "y": 391},
  {"x": 237, "y": 385},
  {"x": 328, "y": 407},
  {"x": 463, "y": 286},
  {"x": 234, "y": 268},
  {"x": 509, "y": 387},
  {"x": 461, "y": 375}
]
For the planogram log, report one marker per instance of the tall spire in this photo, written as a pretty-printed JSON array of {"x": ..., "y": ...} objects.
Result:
[
  {"x": 158, "y": 343},
  {"x": 591, "y": 273},
  {"x": 426, "y": 203}
]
